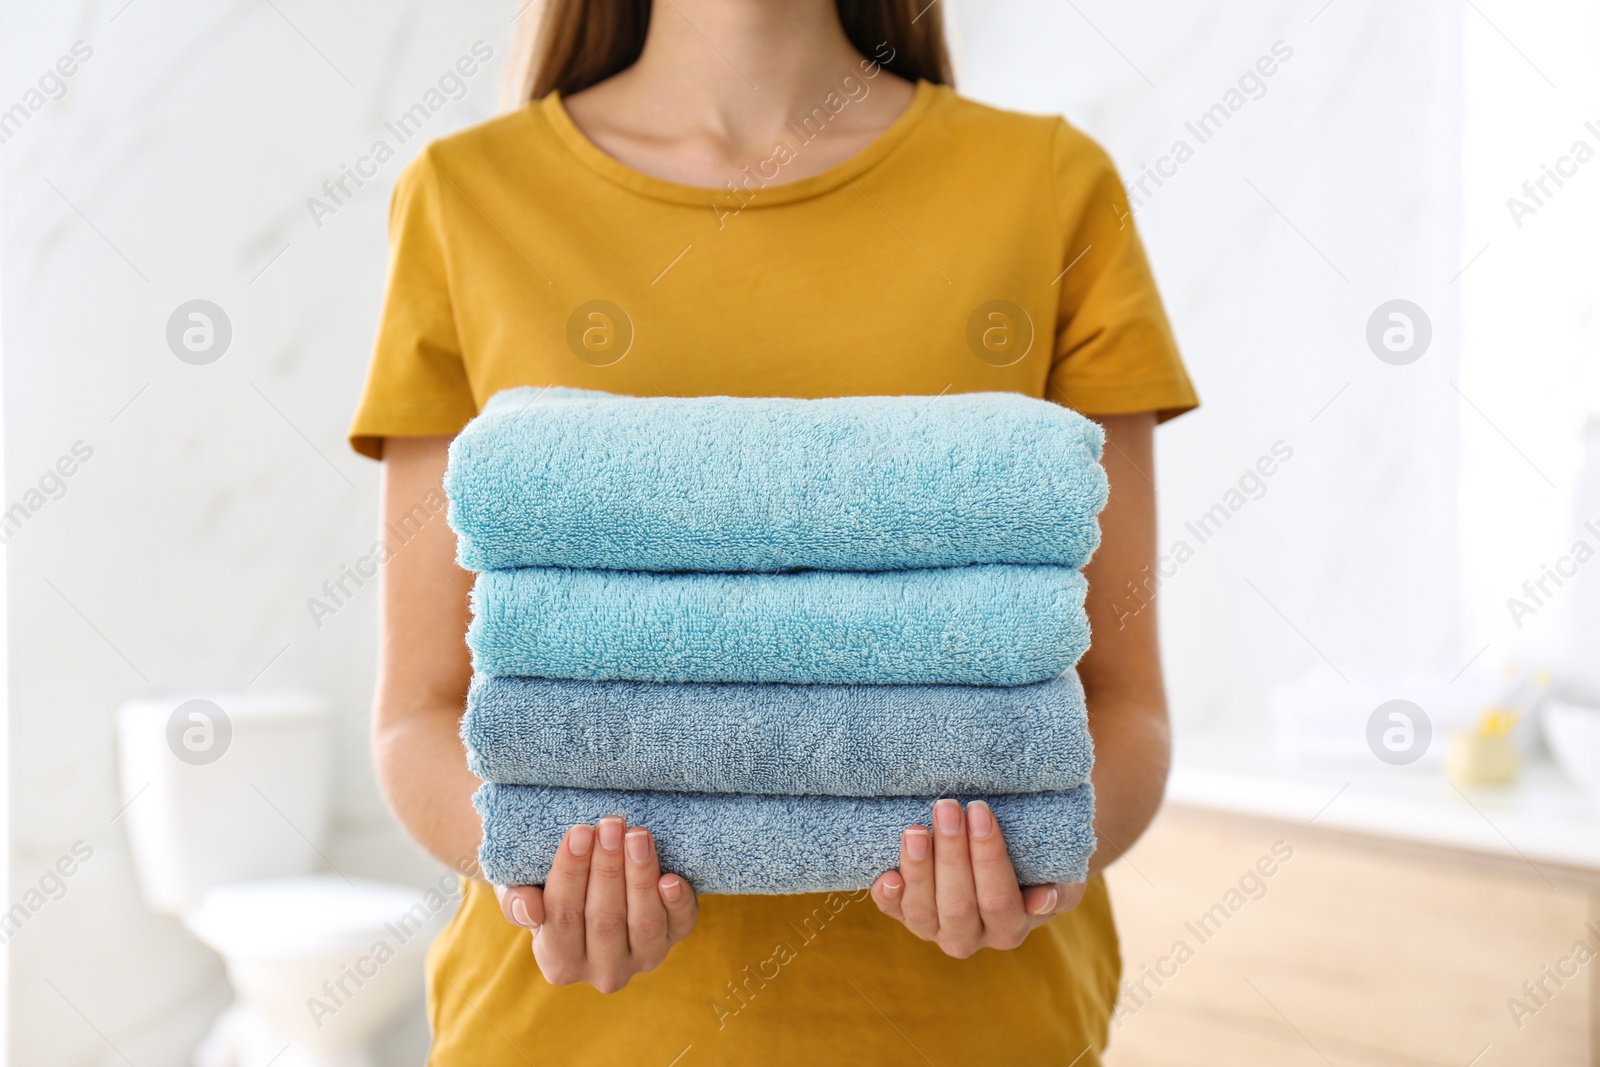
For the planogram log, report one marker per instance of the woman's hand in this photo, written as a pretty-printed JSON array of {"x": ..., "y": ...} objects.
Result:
[
  {"x": 956, "y": 887},
  {"x": 606, "y": 912}
]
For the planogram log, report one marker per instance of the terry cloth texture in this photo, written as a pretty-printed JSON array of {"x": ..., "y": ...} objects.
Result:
[
  {"x": 746, "y": 843},
  {"x": 838, "y": 740},
  {"x": 569, "y": 478},
  {"x": 980, "y": 625}
]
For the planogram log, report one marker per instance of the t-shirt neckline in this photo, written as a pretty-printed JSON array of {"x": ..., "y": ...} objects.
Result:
[{"x": 597, "y": 159}]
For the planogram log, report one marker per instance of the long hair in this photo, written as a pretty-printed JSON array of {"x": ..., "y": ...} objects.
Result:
[{"x": 574, "y": 44}]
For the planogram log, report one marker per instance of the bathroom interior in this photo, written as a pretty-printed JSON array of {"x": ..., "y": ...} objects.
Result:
[{"x": 1380, "y": 619}]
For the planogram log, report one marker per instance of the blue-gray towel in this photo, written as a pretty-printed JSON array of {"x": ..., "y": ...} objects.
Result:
[
  {"x": 981, "y": 625},
  {"x": 567, "y": 478},
  {"x": 746, "y": 843},
  {"x": 838, "y": 740}
]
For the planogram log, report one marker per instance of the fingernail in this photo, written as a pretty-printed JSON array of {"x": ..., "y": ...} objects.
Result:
[
  {"x": 519, "y": 912},
  {"x": 579, "y": 838},
  {"x": 917, "y": 842},
  {"x": 672, "y": 888},
  {"x": 947, "y": 817},
  {"x": 980, "y": 820},
  {"x": 638, "y": 842},
  {"x": 892, "y": 889},
  {"x": 1049, "y": 904},
  {"x": 610, "y": 833}
]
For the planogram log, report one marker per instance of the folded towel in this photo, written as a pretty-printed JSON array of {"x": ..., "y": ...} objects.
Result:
[
  {"x": 981, "y": 625},
  {"x": 839, "y": 740},
  {"x": 568, "y": 478},
  {"x": 744, "y": 843}
]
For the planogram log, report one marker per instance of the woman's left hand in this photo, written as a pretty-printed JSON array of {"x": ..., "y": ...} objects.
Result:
[{"x": 956, "y": 887}]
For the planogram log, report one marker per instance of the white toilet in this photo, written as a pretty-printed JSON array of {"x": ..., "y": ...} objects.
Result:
[{"x": 227, "y": 803}]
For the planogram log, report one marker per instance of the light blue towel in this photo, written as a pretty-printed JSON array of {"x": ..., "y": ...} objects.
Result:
[
  {"x": 982, "y": 625},
  {"x": 568, "y": 478},
  {"x": 744, "y": 843},
  {"x": 838, "y": 740}
]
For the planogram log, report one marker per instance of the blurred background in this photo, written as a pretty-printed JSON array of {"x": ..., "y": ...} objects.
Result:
[{"x": 1380, "y": 592}]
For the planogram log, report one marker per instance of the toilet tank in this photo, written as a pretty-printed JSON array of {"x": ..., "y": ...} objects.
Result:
[{"x": 222, "y": 788}]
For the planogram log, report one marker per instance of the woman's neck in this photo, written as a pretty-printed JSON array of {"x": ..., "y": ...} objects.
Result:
[{"x": 720, "y": 81}]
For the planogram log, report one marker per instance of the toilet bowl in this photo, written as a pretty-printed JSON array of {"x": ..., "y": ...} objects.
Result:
[
  {"x": 228, "y": 841},
  {"x": 323, "y": 962}
]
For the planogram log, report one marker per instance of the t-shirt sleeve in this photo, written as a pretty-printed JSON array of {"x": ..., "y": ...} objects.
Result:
[
  {"x": 1114, "y": 350},
  {"x": 417, "y": 383}
]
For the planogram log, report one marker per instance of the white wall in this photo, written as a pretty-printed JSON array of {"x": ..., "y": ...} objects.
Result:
[
  {"x": 1334, "y": 192},
  {"x": 1532, "y": 356},
  {"x": 218, "y": 498}
]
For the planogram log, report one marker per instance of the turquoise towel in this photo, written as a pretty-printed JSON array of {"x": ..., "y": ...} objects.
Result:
[
  {"x": 567, "y": 478},
  {"x": 981, "y": 625},
  {"x": 839, "y": 740},
  {"x": 744, "y": 843}
]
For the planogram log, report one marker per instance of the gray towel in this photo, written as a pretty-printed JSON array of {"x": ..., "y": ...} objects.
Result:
[
  {"x": 839, "y": 740},
  {"x": 745, "y": 843}
]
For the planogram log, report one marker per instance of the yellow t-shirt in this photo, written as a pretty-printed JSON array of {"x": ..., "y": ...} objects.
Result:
[{"x": 966, "y": 249}]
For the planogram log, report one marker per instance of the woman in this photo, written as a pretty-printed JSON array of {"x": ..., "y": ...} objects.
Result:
[{"x": 784, "y": 198}]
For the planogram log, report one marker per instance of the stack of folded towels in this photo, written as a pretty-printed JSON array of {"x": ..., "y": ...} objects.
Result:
[{"x": 775, "y": 631}]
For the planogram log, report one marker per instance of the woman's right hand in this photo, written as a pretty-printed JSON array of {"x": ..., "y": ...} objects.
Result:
[{"x": 606, "y": 912}]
